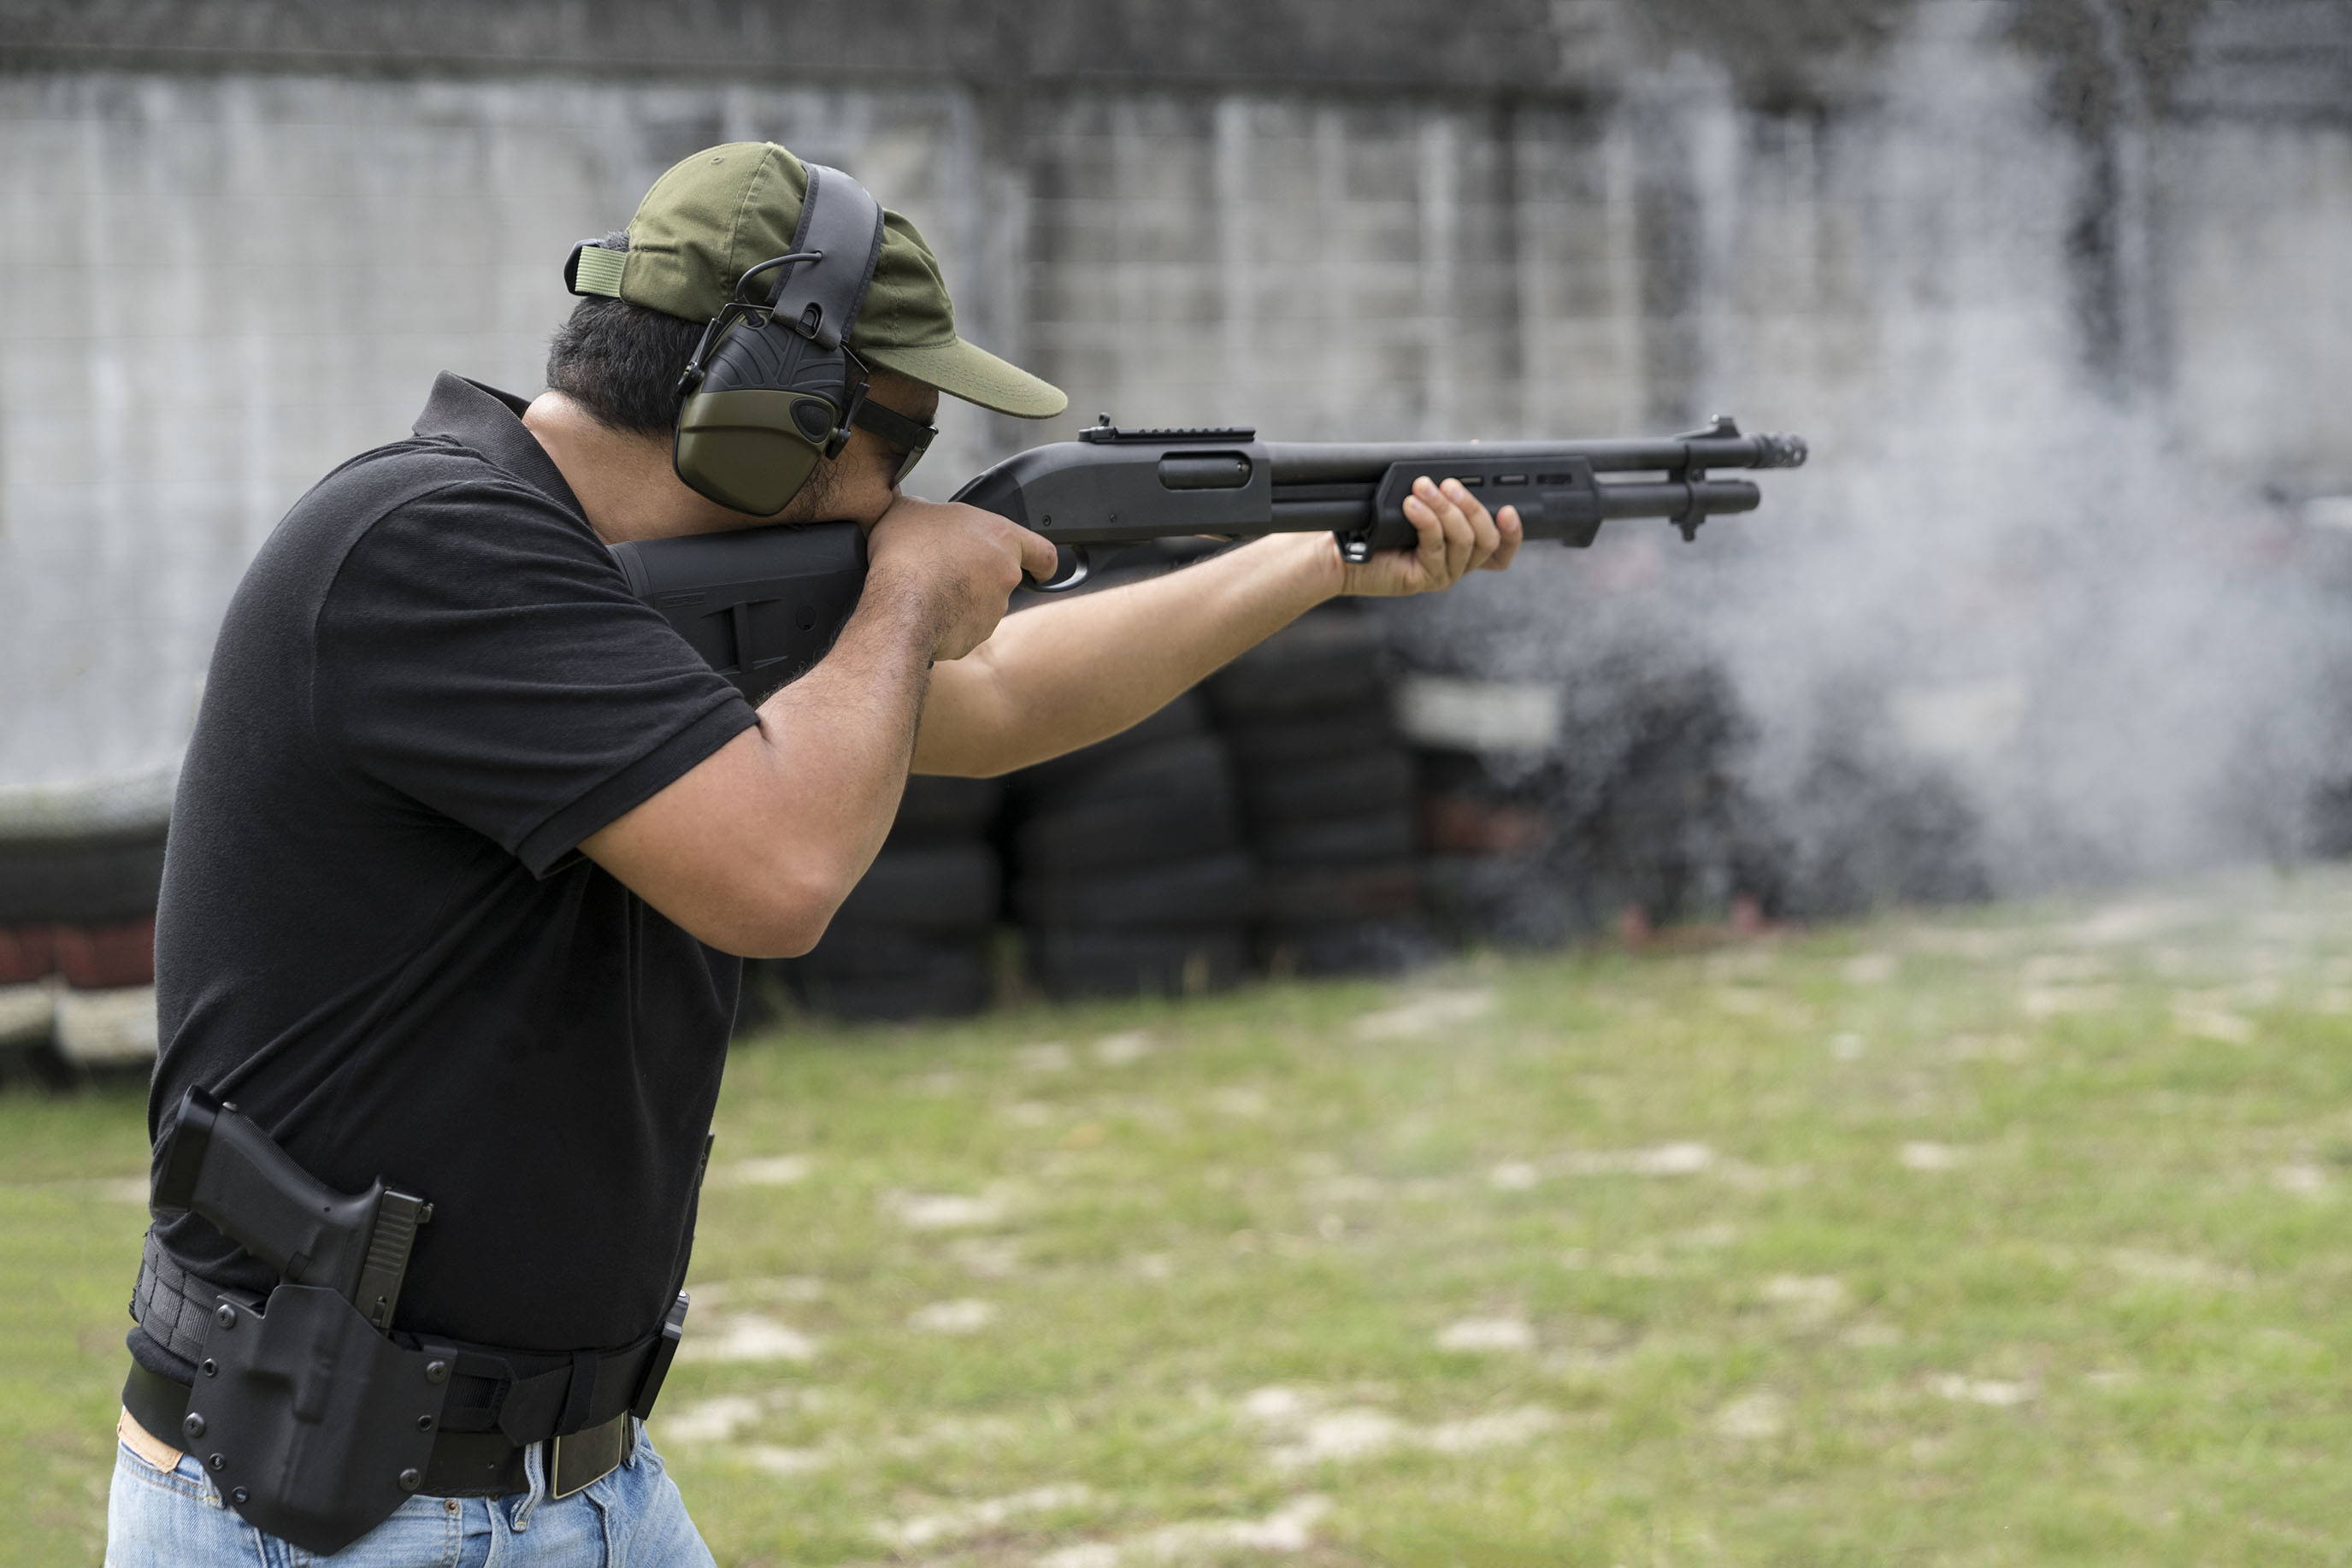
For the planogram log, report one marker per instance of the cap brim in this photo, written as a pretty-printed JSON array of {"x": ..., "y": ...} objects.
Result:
[{"x": 975, "y": 375}]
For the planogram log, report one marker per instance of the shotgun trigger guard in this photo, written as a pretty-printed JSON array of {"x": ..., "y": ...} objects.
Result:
[{"x": 1078, "y": 566}]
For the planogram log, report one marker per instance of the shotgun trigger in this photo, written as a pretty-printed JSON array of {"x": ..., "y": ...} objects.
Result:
[{"x": 1075, "y": 565}]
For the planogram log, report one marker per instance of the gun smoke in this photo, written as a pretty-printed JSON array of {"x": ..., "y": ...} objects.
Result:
[{"x": 2007, "y": 631}]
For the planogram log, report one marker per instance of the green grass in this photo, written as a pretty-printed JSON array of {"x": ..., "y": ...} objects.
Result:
[{"x": 2014, "y": 1237}]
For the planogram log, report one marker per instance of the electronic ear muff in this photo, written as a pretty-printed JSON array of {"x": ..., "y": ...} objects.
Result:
[{"x": 773, "y": 385}]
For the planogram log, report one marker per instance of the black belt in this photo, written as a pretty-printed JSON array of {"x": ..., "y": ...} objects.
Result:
[
  {"x": 463, "y": 1464},
  {"x": 500, "y": 1402}
]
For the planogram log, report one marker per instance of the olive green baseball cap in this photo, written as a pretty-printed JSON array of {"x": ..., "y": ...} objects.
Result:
[{"x": 717, "y": 215}]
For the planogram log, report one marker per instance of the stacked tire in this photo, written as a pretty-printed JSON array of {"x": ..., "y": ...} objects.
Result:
[
  {"x": 1643, "y": 824},
  {"x": 1131, "y": 877},
  {"x": 1327, "y": 795},
  {"x": 80, "y": 869},
  {"x": 915, "y": 937},
  {"x": 1493, "y": 872}
]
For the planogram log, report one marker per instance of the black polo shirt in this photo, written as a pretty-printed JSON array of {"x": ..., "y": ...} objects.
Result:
[{"x": 376, "y": 934}]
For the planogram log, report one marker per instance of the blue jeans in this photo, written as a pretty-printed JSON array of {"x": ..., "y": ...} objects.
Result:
[{"x": 174, "y": 1519}]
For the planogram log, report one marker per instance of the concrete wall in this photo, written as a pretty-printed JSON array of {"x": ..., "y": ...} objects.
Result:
[{"x": 241, "y": 239}]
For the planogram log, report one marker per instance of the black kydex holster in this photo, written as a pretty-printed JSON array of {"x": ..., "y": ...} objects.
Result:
[
  {"x": 313, "y": 1422},
  {"x": 314, "y": 1425}
]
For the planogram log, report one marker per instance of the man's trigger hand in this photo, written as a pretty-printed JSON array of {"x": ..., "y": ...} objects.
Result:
[{"x": 961, "y": 563}]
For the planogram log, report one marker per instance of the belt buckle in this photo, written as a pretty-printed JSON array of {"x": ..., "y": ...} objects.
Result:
[{"x": 579, "y": 1459}]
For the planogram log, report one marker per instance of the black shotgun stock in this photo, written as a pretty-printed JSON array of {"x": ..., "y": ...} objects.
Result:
[{"x": 763, "y": 604}]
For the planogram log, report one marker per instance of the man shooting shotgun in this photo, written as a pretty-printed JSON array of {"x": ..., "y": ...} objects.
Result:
[
  {"x": 764, "y": 604},
  {"x": 470, "y": 842}
]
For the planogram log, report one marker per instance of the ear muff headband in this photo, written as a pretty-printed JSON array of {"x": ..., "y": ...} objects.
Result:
[
  {"x": 841, "y": 228},
  {"x": 773, "y": 385}
]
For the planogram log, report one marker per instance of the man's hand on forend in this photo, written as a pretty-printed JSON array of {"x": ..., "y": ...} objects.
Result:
[{"x": 1457, "y": 537}]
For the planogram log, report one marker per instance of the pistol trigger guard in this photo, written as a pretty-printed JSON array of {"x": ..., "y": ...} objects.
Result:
[{"x": 1355, "y": 546}]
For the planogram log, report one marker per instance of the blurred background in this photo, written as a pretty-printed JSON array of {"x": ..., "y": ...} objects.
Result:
[
  {"x": 1953, "y": 1169},
  {"x": 2056, "y": 290}
]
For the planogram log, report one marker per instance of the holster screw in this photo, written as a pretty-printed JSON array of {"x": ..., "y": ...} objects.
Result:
[
  {"x": 226, "y": 1317},
  {"x": 411, "y": 1480},
  {"x": 211, "y": 1368},
  {"x": 214, "y": 1461},
  {"x": 194, "y": 1425},
  {"x": 425, "y": 1424},
  {"x": 237, "y": 1494},
  {"x": 436, "y": 1372}
]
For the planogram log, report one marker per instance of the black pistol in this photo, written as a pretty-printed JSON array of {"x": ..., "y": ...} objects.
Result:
[{"x": 218, "y": 1163}]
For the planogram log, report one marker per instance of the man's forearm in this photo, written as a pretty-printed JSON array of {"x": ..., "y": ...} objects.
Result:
[
  {"x": 1066, "y": 674},
  {"x": 839, "y": 738},
  {"x": 755, "y": 849}
]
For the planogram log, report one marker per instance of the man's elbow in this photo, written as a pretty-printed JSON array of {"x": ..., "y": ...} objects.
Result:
[
  {"x": 782, "y": 916},
  {"x": 970, "y": 767}
]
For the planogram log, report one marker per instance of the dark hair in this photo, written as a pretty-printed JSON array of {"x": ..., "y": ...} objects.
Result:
[{"x": 620, "y": 361}]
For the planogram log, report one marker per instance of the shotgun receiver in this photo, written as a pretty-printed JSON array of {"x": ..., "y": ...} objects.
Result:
[{"x": 764, "y": 603}]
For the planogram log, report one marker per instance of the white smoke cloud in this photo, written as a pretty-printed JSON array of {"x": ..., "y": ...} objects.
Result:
[{"x": 2002, "y": 583}]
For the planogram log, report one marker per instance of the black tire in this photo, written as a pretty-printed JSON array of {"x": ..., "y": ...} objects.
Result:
[
  {"x": 1361, "y": 726},
  {"x": 1297, "y": 897},
  {"x": 1514, "y": 902},
  {"x": 1184, "y": 717},
  {"x": 1354, "y": 947},
  {"x": 76, "y": 881},
  {"x": 1512, "y": 780},
  {"x": 83, "y": 854},
  {"x": 1121, "y": 963},
  {"x": 1358, "y": 784},
  {"x": 930, "y": 887},
  {"x": 1331, "y": 658},
  {"x": 1114, "y": 834},
  {"x": 859, "y": 950},
  {"x": 1189, "y": 895},
  {"x": 953, "y": 986},
  {"x": 941, "y": 808},
  {"x": 1184, "y": 774},
  {"x": 1366, "y": 839}
]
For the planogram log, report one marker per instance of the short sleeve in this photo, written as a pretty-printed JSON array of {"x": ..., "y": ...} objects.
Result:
[{"x": 480, "y": 653}]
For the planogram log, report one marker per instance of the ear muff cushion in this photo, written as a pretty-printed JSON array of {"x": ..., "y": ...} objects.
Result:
[{"x": 745, "y": 449}]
